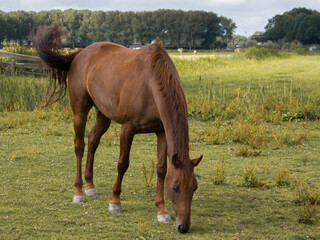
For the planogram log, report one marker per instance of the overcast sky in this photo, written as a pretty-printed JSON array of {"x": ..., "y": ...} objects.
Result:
[{"x": 249, "y": 15}]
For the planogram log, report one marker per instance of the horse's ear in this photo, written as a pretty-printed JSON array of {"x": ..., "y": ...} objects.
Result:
[
  {"x": 175, "y": 160},
  {"x": 196, "y": 161},
  {"x": 158, "y": 42}
]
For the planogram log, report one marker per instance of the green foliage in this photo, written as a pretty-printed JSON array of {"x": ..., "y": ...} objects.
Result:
[
  {"x": 245, "y": 151},
  {"x": 179, "y": 28},
  {"x": 283, "y": 178},
  {"x": 307, "y": 212},
  {"x": 298, "y": 24},
  {"x": 250, "y": 177},
  {"x": 307, "y": 200},
  {"x": 261, "y": 53},
  {"x": 20, "y": 49},
  {"x": 21, "y": 93},
  {"x": 305, "y": 195}
]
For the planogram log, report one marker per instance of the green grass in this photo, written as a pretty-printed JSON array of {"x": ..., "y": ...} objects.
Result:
[{"x": 228, "y": 112}]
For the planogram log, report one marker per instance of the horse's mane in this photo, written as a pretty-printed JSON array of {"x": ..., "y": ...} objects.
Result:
[{"x": 169, "y": 84}]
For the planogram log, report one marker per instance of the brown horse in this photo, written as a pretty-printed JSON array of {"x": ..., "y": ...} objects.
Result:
[{"x": 139, "y": 89}]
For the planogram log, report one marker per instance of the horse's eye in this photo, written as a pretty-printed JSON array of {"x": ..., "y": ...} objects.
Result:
[{"x": 176, "y": 189}]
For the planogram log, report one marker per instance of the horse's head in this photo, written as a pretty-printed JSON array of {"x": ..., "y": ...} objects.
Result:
[{"x": 181, "y": 183}]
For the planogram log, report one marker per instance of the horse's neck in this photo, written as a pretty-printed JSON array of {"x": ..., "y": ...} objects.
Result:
[
  {"x": 174, "y": 119},
  {"x": 169, "y": 98}
]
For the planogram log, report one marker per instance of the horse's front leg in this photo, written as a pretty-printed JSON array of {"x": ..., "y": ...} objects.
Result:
[
  {"x": 163, "y": 214},
  {"x": 126, "y": 138}
]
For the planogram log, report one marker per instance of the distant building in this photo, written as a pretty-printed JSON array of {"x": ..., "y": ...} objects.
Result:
[
  {"x": 260, "y": 37},
  {"x": 313, "y": 48}
]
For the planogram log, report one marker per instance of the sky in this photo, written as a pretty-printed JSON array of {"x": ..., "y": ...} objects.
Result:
[{"x": 249, "y": 15}]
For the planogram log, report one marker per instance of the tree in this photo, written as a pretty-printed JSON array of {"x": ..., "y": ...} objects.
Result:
[
  {"x": 19, "y": 26},
  {"x": 98, "y": 27},
  {"x": 3, "y": 25},
  {"x": 84, "y": 29},
  {"x": 143, "y": 27},
  {"x": 71, "y": 22},
  {"x": 195, "y": 27},
  {"x": 212, "y": 30},
  {"x": 127, "y": 34},
  {"x": 176, "y": 28},
  {"x": 227, "y": 28},
  {"x": 298, "y": 24}
]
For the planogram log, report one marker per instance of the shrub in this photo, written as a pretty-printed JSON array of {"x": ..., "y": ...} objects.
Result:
[
  {"x": 16, "y": 48},
  {"x": 261, "y": 53}
]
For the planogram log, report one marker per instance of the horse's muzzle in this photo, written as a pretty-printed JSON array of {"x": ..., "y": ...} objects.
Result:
[
  {"x": 182, "y": 229},
  {"x": 182, "y": 226}
]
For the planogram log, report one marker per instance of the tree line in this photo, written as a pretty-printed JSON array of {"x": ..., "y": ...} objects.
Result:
[
  {"x": 176, "y": 28},
  {"x": 298, "y": 24}
]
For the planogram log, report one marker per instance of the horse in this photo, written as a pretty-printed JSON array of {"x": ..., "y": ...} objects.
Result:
[{"x": 139, "y": 89}]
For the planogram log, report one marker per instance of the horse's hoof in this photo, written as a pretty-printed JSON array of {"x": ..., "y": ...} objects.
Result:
[
  {"x": 78, "y": 199},
  {"x": 115, "y": 208},
  {"x": 91, "y": 192},
  {"x": 164, "y": 218}
]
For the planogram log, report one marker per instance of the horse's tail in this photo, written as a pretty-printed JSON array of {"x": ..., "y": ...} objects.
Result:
[{"x": 48, "y": 44}]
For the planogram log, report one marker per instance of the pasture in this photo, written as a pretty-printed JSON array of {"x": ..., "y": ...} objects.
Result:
[{"x": 255, "y": 121}]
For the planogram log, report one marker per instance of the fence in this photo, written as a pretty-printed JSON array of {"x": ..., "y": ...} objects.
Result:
[{"x": 29, "y": 65}]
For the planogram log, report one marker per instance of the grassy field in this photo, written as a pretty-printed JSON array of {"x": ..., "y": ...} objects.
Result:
[{"x": 255, "y": 121}]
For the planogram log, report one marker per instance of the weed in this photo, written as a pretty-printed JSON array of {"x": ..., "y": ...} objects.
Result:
[
  {"x": 219, "y": 173},
  {"x": 111, "y": 135},
  {"x": 284, "y": 138},
  {"x": 32, "y": 152},
  {"x": 250, "y": 134},
  {"x": 307, "y": 212},
  {"x": 283, "y": 178},
  {"x": 281, "y": 137},
  {"x": 298, "y": 138},
  {"x": 250, "y": 178},
  {"x": 143, "y": 231},
  {"x": 305, "y": 195},
  {"x": 245, "y": 151},
  {"x": 148, "y": 174},
  {"x": 257, "y": 142},
  {"x": 214, "y": 136}
]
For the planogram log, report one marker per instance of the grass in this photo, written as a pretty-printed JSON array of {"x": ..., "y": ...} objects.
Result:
[{"x": 233, "y": 102}]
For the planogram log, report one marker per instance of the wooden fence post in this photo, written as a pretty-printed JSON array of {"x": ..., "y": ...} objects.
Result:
[{"x": 13, "y": 66}]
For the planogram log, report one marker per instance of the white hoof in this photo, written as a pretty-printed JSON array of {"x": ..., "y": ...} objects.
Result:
[
  {"x": 78, "y": 199},
  {"x": 91, "y": 192},
  {"x": 164, "y": 218},
  {"x": 115, "y": 208}
]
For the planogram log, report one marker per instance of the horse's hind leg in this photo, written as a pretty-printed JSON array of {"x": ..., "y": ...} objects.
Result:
[
  {"x": 126, "y": 138},
  {"x": 79, "y": 122},
  {"x": 163, "y": 214},
  {"x": 101, "y": 125}
]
